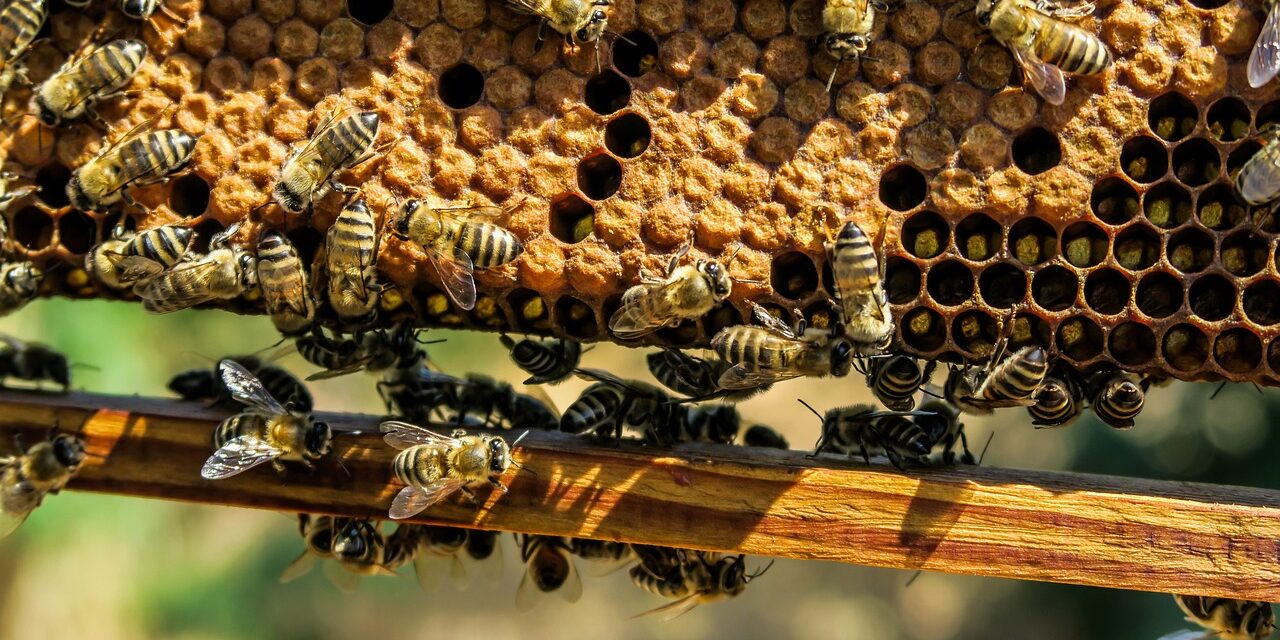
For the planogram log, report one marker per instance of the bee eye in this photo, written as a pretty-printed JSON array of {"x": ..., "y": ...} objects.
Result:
[
  {"x": 581, "y": 35},
  {"x": 598, "y": 16},
  {"x": 48, "y": 118}
]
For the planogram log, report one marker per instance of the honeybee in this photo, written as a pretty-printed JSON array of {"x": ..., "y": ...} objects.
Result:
[
  {"x": 548, "y": 567},
  {"x": 606, "y": 554},
  {"x": 1264, "y": 60},
  {"x": 83, "y": 80},
  {"x": 20, "y": 21},
  {"x": 718, "y": 423},
  {"x": 144, "y": 9},
  {"x": 940, "y": 422},
  {"x": 130, "y": 162},
  {"x": 223, "y": 273},
  {"x": 546, "y": 361},
  {"x": 118, "y": 261},
  {"x": 317, "y": 533},
  {"x": 338, "y": 143},
  {"x": 456, "y": 243},
  {"x": 580, "y": 21},
  {"x": 765, "y": 355},
  {"x": 1258, "y": 181},
  {"x": 864, "y": 305},
  {"x": 611, "y": 404},
  {"x": 691, "y": 577},
  {"x": 7, "y": 195},
  {"x": 760, "y": 435},
  {"x": 695, "y": 377},
  {"x": 861, "y": 426},
  {"x": 433, "y": 466},
  {"x": 1116, "y": 398},
  {"x": 32, "y": 362},
  {"x": 284, "y": 284},
  {"x": 1225, "y": 619},
  {"x": 1044, "y": 45},
  {"x": 360, "y": 549},
  {"x": 1059, "y": 401},
  {"x": 1012, "y": 382},
  {"x": 351, "y": 254},
  {"x": 896, "y": 379},
  {"x": 688, "y": 292},
  {"x": 267, "y": 432},
  {"x": 848, "y": 25},
  {"x": 26, "y": 478},
  {"x": 19, "y": 283},
  {"x": 205, "y": 384},
  {"x": 418, "y": 392}
]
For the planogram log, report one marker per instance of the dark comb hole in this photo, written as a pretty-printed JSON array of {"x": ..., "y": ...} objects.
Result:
[
  {"x": 1243, "y": 152},
  {"x": 1228, "y": 119},
  {"x": 975, "y": 333},
  {"x": 1114, "y": 201},
  {"x": 902, "y": 188},
  {"x": 460, "y": 86},
  {"x": 794, "y": 275},
  {"x": 1054, "y": 288},
  {"x": 726, "y": 315},
  {"x": 599, "y": 176},
  {"x": 1159, "y": 294},
  {"x": 1002, "y": 285},
  {"x": 306, "y": 241},
  {"x": 1185, "y": 347},
  {"x": 1212, "y": 297},
  {"x": 51, "y": 181},
  {"x": 1190, "y": 251},
  {"x": 819, "y": 315},
  {"x": 925, "y": 234},
  {"x": 1032, "y": 241},
  {"x": 204, "y": 232},
  {"x": 1137, "y": 247},
  {"x": 978, "y": 237},
  {"x": 1196, "y": 162},
  {"x": 902, "y": 280},
  {"x": 1133, "y": 344},
  {"x": 189, "y": 195},
  {"x": 1106, "y": 291},
  {"x": 1172, "y": 116},
  {"x": 1036, "y": 150},
  {"x": 950, "y": 283},
  {"x": 488, "y": 313},
  {"x": 635, "y": 53},
  {"x": 1029, "y": 331},
  {"x": 1144, "y": 159},
  {"x": 1238, "y": 351},
  {"x": 77, "y": 232},
  {"x": 1080, "y": 339},
  {"x": 924, "y": 330},
  {"x": 1209, "y": 4},
  {"x": 1243, "y": 253},
  {"x": 1167, "y": 205},
  {"x": 607, "y": 93},
  {"x": 1262, "y": 302},
  {"x": 32, "y": 228},
  {"x": 627, "y": 136},
  {"x": 1084, "y": 244},
  {"x": 529, "y": 308},
  {"x": 1217, "y": 208},
  {"x": 572, "y": 218},
  {"x": 369, "y": 12},
  {"x": 1267, "y": 114},
  {"x": 681, "y": 335},
  {"x": 577, "y": 318}
]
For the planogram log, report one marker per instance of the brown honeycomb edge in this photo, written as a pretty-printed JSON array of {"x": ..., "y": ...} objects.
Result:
[{"x": 1105, "y": 227}]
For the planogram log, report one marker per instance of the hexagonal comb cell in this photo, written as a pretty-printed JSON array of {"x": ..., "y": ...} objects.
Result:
[
  {"x": 902, "y": 188},
  {"x": 635, "y": 53},
  {"x": 1228, "y": 119},
  {"x": 627, "y": 135},
  {"x": 1144, "y": 159},
  {"x": 1036, "y": 150},
  {"x": 1196, "y": 162},
  {"x": 925, "y": 234},
  {"x": 572, "y": 218},
  {"x": 978, "y": 237},
  {"x": 1172, "y": 116},
  {"x": 794, "y": 275},
  {"x": 1032, "y": 241},
  {"x": 1114, "y": 201}
]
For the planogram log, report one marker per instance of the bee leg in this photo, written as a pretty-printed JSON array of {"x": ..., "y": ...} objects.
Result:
[
  {"x": 894, "y": 458},
  {"x": 278, "y": 466},
  {"x": 471, "y": 496},
  {"x": 172, "y": 15},
  {"x": 967, "y": 457}
]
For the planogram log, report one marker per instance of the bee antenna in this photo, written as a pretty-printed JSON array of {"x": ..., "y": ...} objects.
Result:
[
  {"x": 517, "y": 440},
  {"x": 982, "y": 455},
  {"x": 810, "y": 408},
  {"x": 338, "y": 459},
  {"x": 84, "y": 365},
  {"x": 761, "y": 572},
  {"x": 832, "y": 79},
  {"x": 913, "y": 578},
  {"x": 621, "y": 37},
  {"x": 964, "y": 11}
]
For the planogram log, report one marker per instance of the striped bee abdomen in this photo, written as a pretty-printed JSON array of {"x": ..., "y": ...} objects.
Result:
[
  {"x": 488, "y": 245},
  {"x": 421, "y": 465},
  {"x": 1117, "y": 400},
  {"x": 19, "y": 24},
  {"x": 165, "y": 244},
  {"x": 853, "y": 259},
  {"x": 1070, "y": 48},
  {"x": 1017, "y": 377},
  {"x": 239, "y": 426},
  {"x": 110, "y": 66},
  {"x": 346, "y": 141},
  {"x": 152, "y": 156},
  {"x": 597, "y": 407}
]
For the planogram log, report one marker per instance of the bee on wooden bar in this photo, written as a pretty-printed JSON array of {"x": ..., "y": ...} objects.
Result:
[
  {"x": 687, "y": 292},
  {"x": 19, "y": 283},
  {"x": 132, "y": 161},
  {"x": 439, "y": 546},
  {"x": 360, "y": 549},
  {"x": 691, "y": 578},
  {"x": 1059, "y": 401},
  {"x": 1116, "y": 397},
  {"x": 546, "y": 361},
  {"x": 896, "y": 379},
  {"x": 1043, "y": 45},
  {"x": 695, "y": 377},
  {"x": 337, "y": 144},
  {"x": 848, "y": 25},
  {"x": 118, "y": 261},
  {"x": 864, "y": 305},
  {"x": 83, "y": 80},
  {"x": 1264, "y": 60},
  {"x": 612, "y": 404},
  {"x": 580, "y": 21},
  {"x": 715, "y": 423},
  {"x": 285, "y": 287},
  {"x": 861, "y": 428},
  {"x": 20, "y": 21},
  {"x": 26, "y": 478},
  {"x": 760, "y": 435},
  {"x": 32, "y": 362},
  {"x": 267, "y": 432},
  {"x": 940, "y": 422},
  {"x": 605, "y": 556},
  {"x": 1225, "y": 619},
  {"x": 456, "y": 241},
  {"x": 548, "y": 568},
  {"x": 433, "y": 466},
  {"x": 351, "y": 254},
  {"x": 225, "y": 272},
  {"x": 205, "y": 384},
  {"x": 764, "y": 355},
  {"x": 317, "y": 532},
  {"x": 1012, "y": 382}
]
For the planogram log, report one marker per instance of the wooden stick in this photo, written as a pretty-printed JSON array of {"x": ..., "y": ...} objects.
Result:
[{"x": 1060, "y": 527}]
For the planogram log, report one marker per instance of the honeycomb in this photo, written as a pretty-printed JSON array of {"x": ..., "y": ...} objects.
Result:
[{"x": 1104, "y": 229}]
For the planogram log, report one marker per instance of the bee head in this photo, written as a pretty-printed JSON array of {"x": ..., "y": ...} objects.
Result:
[
  {"x": 731, "y": 574},
  {"x": 401, "y": 224},
  {"x": 248, "y": 270},
  {"x": 48, "y": 117},
  {"x": 286, "y": 197},
  {"x": 319, "y": 439},
  {"x": 845, "y": 46},
  {"x": 718, "y": 277},
  {"x": 193, "y": 384},
  {"x": 841, "y": 357},
  {"x": 26, "y": 279},
  {"x": 1259, "y": 620},
  {"x": 983, "y": 12},
  {"x": 68, "y": 450},
  {"x": 76, "y": 194},
  {"x": 499, "y": 455},
  {"x": 593, "y": 28}
]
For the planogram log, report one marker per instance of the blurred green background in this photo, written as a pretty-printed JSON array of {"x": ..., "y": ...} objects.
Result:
[{"x": 106, "y": 567}]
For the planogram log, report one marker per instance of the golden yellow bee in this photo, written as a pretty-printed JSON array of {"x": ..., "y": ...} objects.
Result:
[
  {"x": 1264, "y": 60},
  {"x": 19, "y": 24},
  {"x": 1011, "y": 382},
  {"x": 133, "y": 161},
  {"x": 433, "y": 466},
  {"x": 19, "y": 283},
  {"x": 83, "y": 80},
  {"x": 848, "y": 25},
  {"x": 25, "y": 479},
  {"x": 864, "y": 305},
  {"x": 578, "y": 20},
  {"x": 284, "y": 284},
  {"x": 1225, "y": 619},
  {"x": 457, "y": 243},
  {"x": 223, "y": 273},
  {"x": 764, "y": 355},
  {"x": 687, "y": 292},
  {"x": 351, "y": 254},
  {"x": 119, "y": 260},
  {"x": 338, "y": 143},
  {"x": 1043, "y": 45}
]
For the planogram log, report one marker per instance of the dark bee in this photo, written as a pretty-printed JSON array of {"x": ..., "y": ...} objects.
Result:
[
  {"x": 859, "y": 427},
  {"x": 940, "y": 422},
  {"x": 284, "y": 284},
  {"x": 896, "y": 379},
  {"x": 718, "y": 423},
  {"x": 1059, "y": 401},
  {"x": 610, "y": 405},
  {"x": 418, "y": 393},
  {"x": 690, "y": 577},
  {"x": 695, "y": 377},
  {"x": 26, "y": 478},
  {"x": 205, "y": 385},
  {"x": 1225, "y": 618},
  {"x": 1011, "y": 382},
  {"x": 548, "y": 569},
  {"x": 1116, "y": 398},
  {"x": 546, "y": 361},
  {"x": 19, "y": 283},
  {"x": 374, "y": 351},
  {"x": 32, "y": 362},
  {"x": 763, "y": 436}
]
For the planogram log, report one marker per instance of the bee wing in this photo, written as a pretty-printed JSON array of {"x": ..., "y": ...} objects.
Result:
[
  {"x": 1264, "y": 60},
  {"x": 247, "y": 389},
  {"x": 179, "y": 297},
  {"x": 632, "y": 319},
  {"x": 134, "y": 268},
  {"x": 287, "y": 298},
  {"x": 300, "y": 566},
  {"x": 9, "y": 522},
  {"x": 1046, "y": 78},
  {"x": 427, "y": 568},
  {"x": 403, "y": 435},
  {"x": 528, "y": 595},
  {"x": 17, "y": 502},
  {"x": 491, "y": 567},
  {"x": 358, "y": 365},
  {"x": 771, "y": 323},
  {"x": 1187, "y": 634},
  {"x": 741, "y": 376},
  {"x": 238, "y": 456},
  {"x": 413, "y": 500},
  {"x": 456, "y": 277},
  {"x": 528, "y": 6},
  {"x": 345, "y": 580},
  {"x": 462, "y": 214},
  {"x": 673, "y": 610}
]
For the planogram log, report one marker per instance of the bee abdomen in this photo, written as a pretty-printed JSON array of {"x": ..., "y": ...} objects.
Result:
[
  {"x": 535, "y": 357},
  {"x": 596, "y": 407},
  {"x": 165, "y": 244},
  {"x": 744, "y": 344},
  {"x": 1018, "y": 377},
  {"x": 895, "y": 381},
  {"x": 488, "y": 245},
  {"x": 113, "y": 64},
  {"x": 238, "y": 426},
  {"x": 344, "y": 143},
  {"x": 19, "y": 24},
  {"x": 420, "y": 465},
  {"x": 152, "y": 156},
  {"x": 853, "y": 258},
  {"x": 1118, "y": 401},
  {"x": 1071, "y": 48}
]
